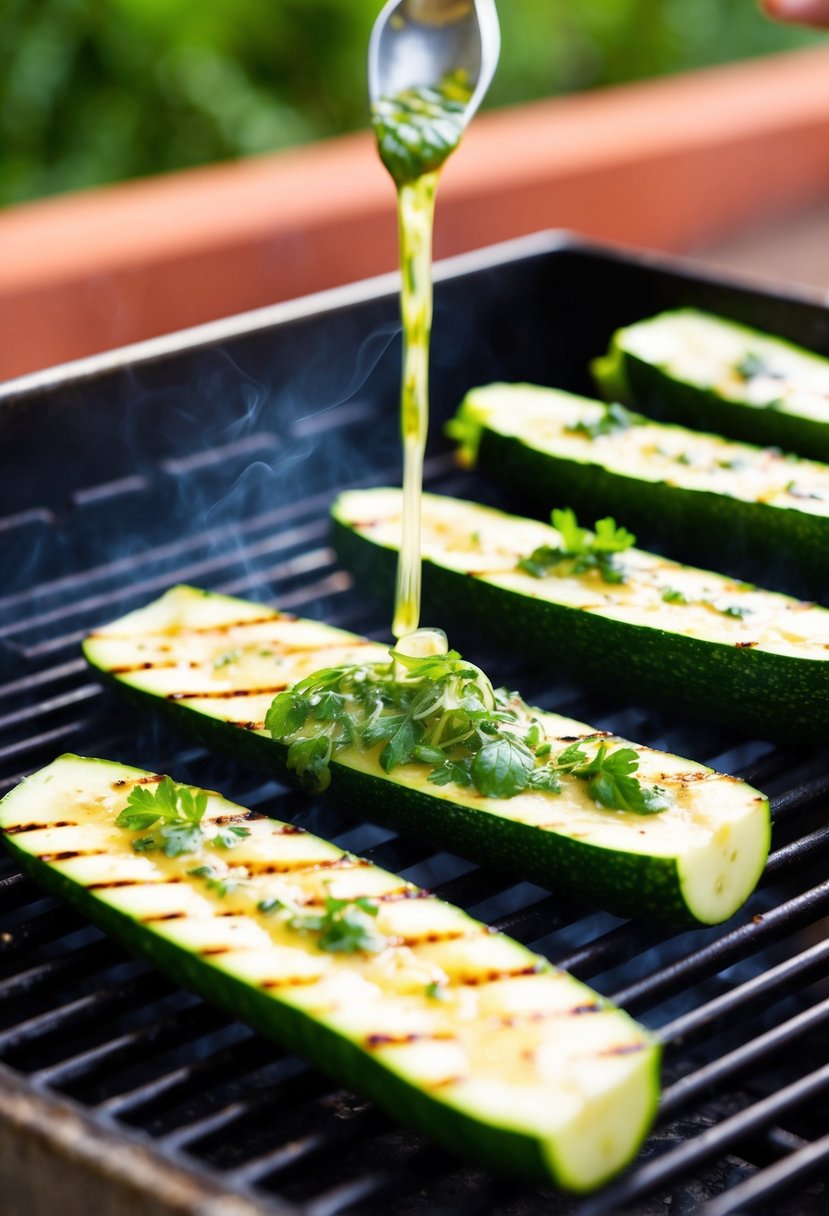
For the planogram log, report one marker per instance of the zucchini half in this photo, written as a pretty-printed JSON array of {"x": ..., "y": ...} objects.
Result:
[
  {"x": 215, "y": 663},
  {"x": 704, "y": 371},
  {"x": 669, "y": 633},
  {"x": 708, "y": 500},
  {"x": 460, "y": 1032}
]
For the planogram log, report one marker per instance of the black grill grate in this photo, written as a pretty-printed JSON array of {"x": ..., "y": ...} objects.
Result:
[{"x": 216, "y": 465}]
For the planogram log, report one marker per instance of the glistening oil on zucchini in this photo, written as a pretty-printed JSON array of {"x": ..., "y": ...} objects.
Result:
[{"x": 416, "y": 132}]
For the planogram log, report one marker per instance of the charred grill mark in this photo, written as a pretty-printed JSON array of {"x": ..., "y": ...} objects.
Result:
[
  {"x": 300, "y": 866},
  {"x": 244, "y": 817},
  {"x": 246, "y": 725},
  {"x": 745, "y": 645},
  {"x": 112, "y": 883},
  {"x": 595, "y": 734},
  {"x": 623, "y": 1049},
  {"x": 159, "y": 916},
  {"x": 183, "y": 631},
  {"x": 547, "y": 1015},
  {"x": 428, "y": 939},
  {"x": 19, "y": 828},
  {"x": 69, "y": 854},
  {"x": 445, "y": 1082},
  {"x": 148, "y": 779},
  {"x": 374, "y": 1041},
  {"x": 166, "y": 664},
  {"x": 490, "y": 977},
  {"x": 213, "y": 951},
  {"x": 290, "y": 981},
  {"x": 391, "y": 897},
  {"x": 227, "y": 694}
]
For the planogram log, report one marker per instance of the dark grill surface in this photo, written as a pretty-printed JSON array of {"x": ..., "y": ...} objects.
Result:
[{"x": 215, "y": 464}]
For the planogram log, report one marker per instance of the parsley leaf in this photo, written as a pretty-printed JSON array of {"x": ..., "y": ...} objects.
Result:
[
  {"x": 179, "y": 810},
  {"x": 611, "y": 783},
  {"x": 671, "y": 596},
  {"x": 582, "y": 550},
  {"x": 502, "y": 767}
]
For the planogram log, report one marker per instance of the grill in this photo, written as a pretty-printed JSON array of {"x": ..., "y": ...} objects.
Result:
[{"x": 211, "y": 457}]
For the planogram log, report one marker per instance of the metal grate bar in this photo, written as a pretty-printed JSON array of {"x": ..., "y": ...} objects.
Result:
[
  {"x": 808, "y": 965},
  {"x": 75, "y": 962},
  {"x": 777, "y": 922},
  {"x": 195, "y": 1021},
  {"x": 148, "y": 985},
  {"x": 345, "y": 1196},
  {"x": 35, "y": 713},
  {"x": 796, "y": 852},
  {"x": 683, "y": 1092},
  {"x": 766, "y": 1185}
]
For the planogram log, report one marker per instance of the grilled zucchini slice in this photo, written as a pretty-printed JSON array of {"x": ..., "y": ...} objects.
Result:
[
  {"x": 215, "y": 663},
  {"x": 671, "y": 634},
  {"x": 458, "y": 1031},
  {"x": 710, "y": 373},
  {"x": 708, "y": 500}
]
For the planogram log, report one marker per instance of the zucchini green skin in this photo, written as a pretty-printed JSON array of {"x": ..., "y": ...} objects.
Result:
[
  {"x": 627, "y": 883},
  {"x": 701, "y": 526},
  {"x": 626, "y": 374},
  {"x": 774, "y": 696},
  {"x": 348, "y": 1060}
]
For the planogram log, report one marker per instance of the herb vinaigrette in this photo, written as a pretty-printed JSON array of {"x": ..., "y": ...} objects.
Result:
[{"x": 416, "y": 132}]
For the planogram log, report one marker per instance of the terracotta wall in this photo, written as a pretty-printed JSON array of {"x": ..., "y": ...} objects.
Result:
[{"x": 666, "y": 164}]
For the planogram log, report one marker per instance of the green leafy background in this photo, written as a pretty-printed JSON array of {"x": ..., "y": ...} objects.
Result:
[{"x": 95, "y": 91}]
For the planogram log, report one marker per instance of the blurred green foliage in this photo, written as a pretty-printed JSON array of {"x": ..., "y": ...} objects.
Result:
[{"x": 94, "y": 91}]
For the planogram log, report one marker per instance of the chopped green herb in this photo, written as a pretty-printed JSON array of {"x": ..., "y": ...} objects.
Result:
[
  {"x": 582, "y": 550},
  {"x": 180, "y": 811},
  {"x": 442, "y": 712},
  {"x": 419, "y": 128},
  {"x": 736, "y": 610},
  {"x": 225, "y": 660},
  {"x": 436, "y": 991},
  {"x": 615, "y": 418},
  {"x": 752, "y": 364},
  {"x": 221, "y": 884},
  {"x": 797, "y": 491},
  {"x": 671, "y": 596}
]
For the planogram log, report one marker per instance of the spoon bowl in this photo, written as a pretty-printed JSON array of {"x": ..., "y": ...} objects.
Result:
[{"x": 418, "y": 43}]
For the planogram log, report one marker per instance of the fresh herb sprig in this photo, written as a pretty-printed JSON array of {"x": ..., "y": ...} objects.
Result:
[
  {"x": 345, "y": 926},
  {"x": 582, "y": 550},
  {"x": 179, "y": 810},
  {"x": 443, "y": 712}
]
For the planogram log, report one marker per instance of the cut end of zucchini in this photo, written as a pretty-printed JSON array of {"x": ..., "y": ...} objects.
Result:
[{"x": 464, "y": 1033}]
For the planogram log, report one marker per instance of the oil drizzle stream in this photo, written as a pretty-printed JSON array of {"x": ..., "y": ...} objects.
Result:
[{"x": 416, "y": 131}]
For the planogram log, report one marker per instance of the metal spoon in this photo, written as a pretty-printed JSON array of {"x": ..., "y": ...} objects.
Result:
[{"x": 417, "y": 43}]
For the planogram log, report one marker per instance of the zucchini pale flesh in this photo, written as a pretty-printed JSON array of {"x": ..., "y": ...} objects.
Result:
[
  {"x": 709, "y": 500},
  {"x": 666, "y": 633},
  {"x": 460, "y": 1032},
  {"x": 713, "y": 374},
  {"x": 216, "y": 663}
]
